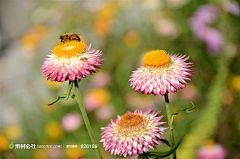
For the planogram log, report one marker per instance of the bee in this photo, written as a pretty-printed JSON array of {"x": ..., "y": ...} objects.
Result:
[{"x": 70, "y": 37}]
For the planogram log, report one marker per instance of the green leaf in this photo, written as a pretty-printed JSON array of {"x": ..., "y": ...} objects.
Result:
[
  {"x": 187, "y": 110},
  {"x": 70, "y": 86},
  {"x": 161, "y": 154},
  {"x": 60, "y": 98},
  {"x": 165, "y": 142},
  {"x": 83, "y": 58}
]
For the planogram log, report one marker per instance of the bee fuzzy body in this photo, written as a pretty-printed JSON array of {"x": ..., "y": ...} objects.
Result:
[{"x": 68, "y": 37}]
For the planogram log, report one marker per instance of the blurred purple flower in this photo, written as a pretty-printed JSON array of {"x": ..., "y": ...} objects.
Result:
[
  {"x": 232, "y": 7},
  {"x": 214, "y": 40},
  {"x": 200, "y": 22},
  {"x": 71, "y": 122},
  {"x": 207, "y": 13}
]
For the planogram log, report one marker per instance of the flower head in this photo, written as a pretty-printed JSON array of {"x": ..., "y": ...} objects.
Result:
[
  {"x": 133, "y": 133},
  {"x": 162, "y": 73},
  {"x": 71, "y": 60},
  {"x": 212, "y": 151}
]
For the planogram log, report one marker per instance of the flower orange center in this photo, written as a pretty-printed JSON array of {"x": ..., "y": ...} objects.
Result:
[
  {"x": 70, "y": 49},
  {"x": 130, "y": 121},
  {"x": 157, "y": 58}
]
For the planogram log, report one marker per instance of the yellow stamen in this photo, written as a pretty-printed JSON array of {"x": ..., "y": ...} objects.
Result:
[
  {"x": 157, "y": 58},
  {"x": 130, "y": 121},
  {"x": 69, "y": 49}
]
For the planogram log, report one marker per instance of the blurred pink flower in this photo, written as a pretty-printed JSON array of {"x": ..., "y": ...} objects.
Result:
[
  {"x": 90, "y": 102},
  {"x": 105, "y": 113},
  {"x": 189, "y": 93},
  {"x": 102, "y": 79},
  {"x": 96, "y": 98},
  {"x": 71, "y": 122},
  {"x": 212, "y": 151},
  {"x": 55, "y": 153},
  {"x": 200, "y": 21},
  {"x": 232, "y": 7},
  {"x": 167, "y": 28}
]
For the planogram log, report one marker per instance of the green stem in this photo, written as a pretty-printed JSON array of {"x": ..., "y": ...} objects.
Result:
[
  {"x": 168, "y": 109},
  {"x": 85, "y": 118}
]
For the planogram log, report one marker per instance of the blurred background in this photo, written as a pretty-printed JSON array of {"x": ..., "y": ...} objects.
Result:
[{"x": 207, "y": 31}]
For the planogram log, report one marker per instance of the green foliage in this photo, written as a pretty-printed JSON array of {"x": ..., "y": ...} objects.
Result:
[
  {"x": 187, "y": 110},
  {"x": 160, "y": 154},
  {"x": 59, "y": 98},
  {"x": 70, "y": 86},
  {"x": 83, "y": 58},
  {"x": 206, "y": 125}
]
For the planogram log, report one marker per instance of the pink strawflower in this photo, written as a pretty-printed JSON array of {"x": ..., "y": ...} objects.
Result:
[
  {"x": 70, "y": 61},
  {"x": 133, "y": 133},
  {"x": 162, "y": 73},
  {"x": 71, "y": 122},
  {"x": 212, "y": 151}
]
